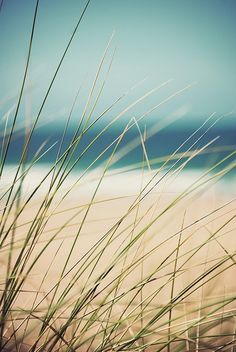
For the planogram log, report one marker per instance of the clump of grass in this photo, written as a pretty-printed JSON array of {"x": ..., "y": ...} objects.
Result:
[{"x": 117, "y": 272}]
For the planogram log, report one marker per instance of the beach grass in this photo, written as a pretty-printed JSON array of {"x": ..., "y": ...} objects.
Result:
[{"x": 136, "y": 258}]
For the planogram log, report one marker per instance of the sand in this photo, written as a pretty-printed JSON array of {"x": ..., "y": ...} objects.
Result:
[{"x": 201, "y": 222}]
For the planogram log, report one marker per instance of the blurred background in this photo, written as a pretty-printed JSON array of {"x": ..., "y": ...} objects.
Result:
[{"x": 184, "y": 48}]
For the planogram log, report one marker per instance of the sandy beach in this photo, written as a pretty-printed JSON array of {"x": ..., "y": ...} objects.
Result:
[{"x": 157, "y": 215}]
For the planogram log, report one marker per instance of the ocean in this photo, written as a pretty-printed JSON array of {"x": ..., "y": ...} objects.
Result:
[{"x": 132, "y": 150}]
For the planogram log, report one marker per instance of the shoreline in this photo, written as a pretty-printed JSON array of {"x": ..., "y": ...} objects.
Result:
[{"x": 125, "y": 181}]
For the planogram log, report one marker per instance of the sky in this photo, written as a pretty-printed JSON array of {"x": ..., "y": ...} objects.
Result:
[{"x": 182, "y": 42}]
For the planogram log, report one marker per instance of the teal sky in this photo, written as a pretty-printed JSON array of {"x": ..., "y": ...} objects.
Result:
[{"x": 183, "y": 40}]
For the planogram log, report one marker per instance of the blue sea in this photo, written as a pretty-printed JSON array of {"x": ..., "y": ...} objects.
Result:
[{"x": 132, "y": 150}]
